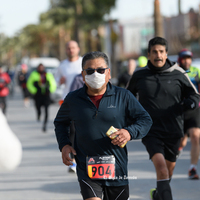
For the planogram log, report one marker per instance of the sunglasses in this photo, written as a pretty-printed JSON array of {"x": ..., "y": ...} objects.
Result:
[{"x": 99, "y": 70}]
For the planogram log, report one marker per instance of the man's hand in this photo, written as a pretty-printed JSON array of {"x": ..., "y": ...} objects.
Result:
[
  {"x": 123, "y": 136},
  {"x": 66, "y": 150},
  {"x": 188, "y": 104},
  {"x": 62, "y": 80}
]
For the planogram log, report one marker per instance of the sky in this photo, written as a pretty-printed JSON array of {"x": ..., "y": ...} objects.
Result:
[{"x": 16, "y": 14}]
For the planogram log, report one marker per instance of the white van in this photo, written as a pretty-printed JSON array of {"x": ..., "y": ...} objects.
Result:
[{"x": 51, "y": 65}]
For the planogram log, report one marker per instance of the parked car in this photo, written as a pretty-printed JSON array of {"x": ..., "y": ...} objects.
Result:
[{"x": 50, "y": 64}]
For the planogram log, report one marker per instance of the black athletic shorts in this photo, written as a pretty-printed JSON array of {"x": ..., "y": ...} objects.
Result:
[
  {"x": 90, "y": 188},
  {"x": 166, "y": 146},
  {"x": 191, "y": 119}
]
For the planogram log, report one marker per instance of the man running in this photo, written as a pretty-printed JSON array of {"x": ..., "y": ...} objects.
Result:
[
  {"x": 165, "y": 91},
  {"x": 191, "y": 117},
  {"x": 95, "y": 108}
]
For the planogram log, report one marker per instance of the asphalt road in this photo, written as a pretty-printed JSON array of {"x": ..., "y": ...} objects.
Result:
[{"x": 42, "y": 175}]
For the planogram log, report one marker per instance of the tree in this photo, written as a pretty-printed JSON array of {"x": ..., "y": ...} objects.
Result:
[
  {"x": 9, "y": 51},
  {"x": 65, "y": 20},
  {"x": 86, "y": 15},
  {"x": 60, "y": 23},
  {"x": 33, "y": 38}
]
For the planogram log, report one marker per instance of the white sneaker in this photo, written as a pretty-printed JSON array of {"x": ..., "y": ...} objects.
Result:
[{"x": 72, "y": 168}]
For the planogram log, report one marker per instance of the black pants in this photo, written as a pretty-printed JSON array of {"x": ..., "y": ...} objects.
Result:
[
  {"x": 42, "y": 101},
  {"x": 91, "y": 188},
  {"x": 25, "y": 93}
]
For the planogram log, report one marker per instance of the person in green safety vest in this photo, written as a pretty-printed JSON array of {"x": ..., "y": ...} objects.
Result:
[
  {"x": 142, "y": 61},
  {"x": 40, "y": 84}
]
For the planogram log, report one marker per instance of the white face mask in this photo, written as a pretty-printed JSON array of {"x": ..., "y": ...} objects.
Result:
[{"x": 95, "y": 80}]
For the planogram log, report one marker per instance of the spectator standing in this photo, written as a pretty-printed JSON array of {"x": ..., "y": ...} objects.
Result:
[
  {"x": 4, "y": 91},
  {"x": 94, "y": 108},
  {"x": 40, "y": 84},
  {"x": 191, "y": 117},
  {"x": 164, "y": 90}
]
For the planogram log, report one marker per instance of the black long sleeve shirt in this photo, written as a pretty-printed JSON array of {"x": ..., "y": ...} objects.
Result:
[{"x": 162, "y": 93}]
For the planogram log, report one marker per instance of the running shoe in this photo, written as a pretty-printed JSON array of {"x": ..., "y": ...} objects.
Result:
[
  {"x": 193, "y": 174},
  {"x": 152, "y": 192},
  {"x": 72, "y": 168}
]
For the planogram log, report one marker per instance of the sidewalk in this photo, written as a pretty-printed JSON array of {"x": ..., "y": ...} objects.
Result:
[{"x": 43, "y": 176}]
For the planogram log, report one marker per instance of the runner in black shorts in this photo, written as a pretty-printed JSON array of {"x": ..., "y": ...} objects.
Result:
[
  {"x": 165, "y": 91},
  {"x": 191, "y": 118},
  {"x": 167, "y": 147},
  {"x": 91, "y": 189},
  {"x": 105, "y": 118}
]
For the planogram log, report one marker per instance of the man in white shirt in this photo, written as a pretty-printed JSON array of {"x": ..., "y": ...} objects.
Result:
[
  {"x": 69, "y": 67},
  {"x": 65, "y": 75}
]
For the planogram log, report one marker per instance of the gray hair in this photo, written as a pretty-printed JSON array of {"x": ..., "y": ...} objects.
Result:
[{"x": 94, "y": 55}]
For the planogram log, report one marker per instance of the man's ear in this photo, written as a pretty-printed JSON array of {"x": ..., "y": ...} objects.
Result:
[
  {"x": 83, "y": 76},
  {"x": 109, "y": 73},
  {"x": 148, "y": 55}
]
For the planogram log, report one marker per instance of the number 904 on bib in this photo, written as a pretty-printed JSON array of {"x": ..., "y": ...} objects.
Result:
[{"x": 101, "y": 167}]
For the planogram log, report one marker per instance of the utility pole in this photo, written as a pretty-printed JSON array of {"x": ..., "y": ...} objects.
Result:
[
  {"x": 78, "y": 10},
  {"x": 158, "y": 21},
  {"x": 179, "y": 7}
]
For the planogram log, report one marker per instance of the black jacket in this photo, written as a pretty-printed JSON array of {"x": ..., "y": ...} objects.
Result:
[
  {"x": 118, "y": 108},
  {"x": 164, "y": 94}
]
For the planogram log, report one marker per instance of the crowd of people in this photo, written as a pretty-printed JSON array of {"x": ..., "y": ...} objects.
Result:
[
  {"x": 164, "y": 92},
  {"x": 155, "y": 100}
]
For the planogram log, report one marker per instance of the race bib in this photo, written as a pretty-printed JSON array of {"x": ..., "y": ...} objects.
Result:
[{"x": 101, "y": 167}]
